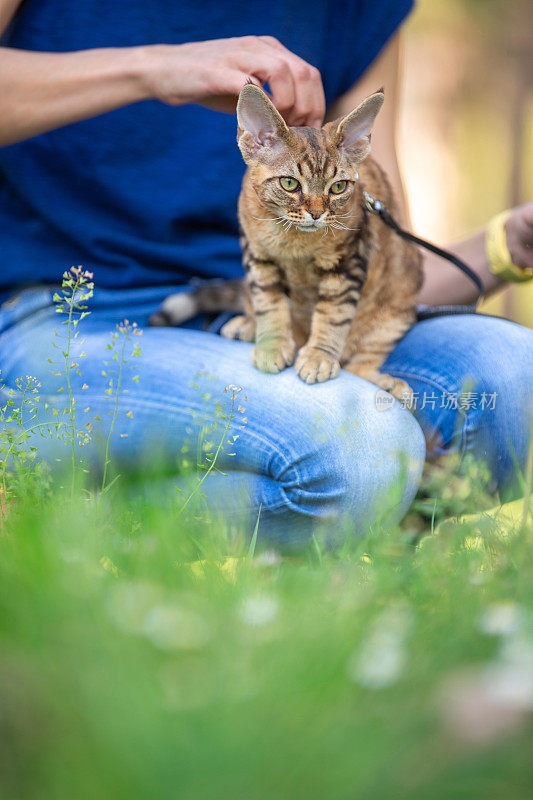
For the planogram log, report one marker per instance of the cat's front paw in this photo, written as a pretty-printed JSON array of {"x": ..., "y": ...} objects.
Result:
[
  {"x": 274, "y": 356},
  {"x": 316, "y": 366}
]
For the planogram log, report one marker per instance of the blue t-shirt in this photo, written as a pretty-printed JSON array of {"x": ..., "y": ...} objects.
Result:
[{"x": 147, "y": 194}]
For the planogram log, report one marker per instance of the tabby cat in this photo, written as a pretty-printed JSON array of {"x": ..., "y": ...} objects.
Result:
[{"x": 326, "y": 282}]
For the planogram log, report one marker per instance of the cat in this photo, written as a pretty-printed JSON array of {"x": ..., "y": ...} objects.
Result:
[{"x": 327, "y": 284}]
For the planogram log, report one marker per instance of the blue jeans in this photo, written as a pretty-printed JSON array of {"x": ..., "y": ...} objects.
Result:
[{"x": 323, "y": 454}]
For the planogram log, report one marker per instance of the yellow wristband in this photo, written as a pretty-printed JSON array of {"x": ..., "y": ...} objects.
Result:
[{"x": 499, "y": 258}]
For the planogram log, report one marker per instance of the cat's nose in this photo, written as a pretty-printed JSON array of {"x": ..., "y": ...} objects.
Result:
[{"x": 316, "y": 213}]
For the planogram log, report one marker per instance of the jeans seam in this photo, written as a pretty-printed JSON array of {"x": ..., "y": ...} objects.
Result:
[
  {"x": 466, "y": 439},
  {"x": 399, "y": 373}
]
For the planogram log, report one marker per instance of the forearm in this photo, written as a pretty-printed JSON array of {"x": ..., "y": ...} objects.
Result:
[
  {"x": 444, "y": 284},
  {"x": 42, "y": 91}
]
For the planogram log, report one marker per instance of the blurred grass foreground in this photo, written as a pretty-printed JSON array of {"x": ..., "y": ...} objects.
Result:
[{"x": 138, "y": 660}]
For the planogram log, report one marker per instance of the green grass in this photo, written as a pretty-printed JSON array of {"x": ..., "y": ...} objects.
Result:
[{"x": 130, "y": 670}]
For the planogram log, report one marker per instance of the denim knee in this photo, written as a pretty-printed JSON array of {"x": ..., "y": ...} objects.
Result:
[{"x": 346, "y": 460}]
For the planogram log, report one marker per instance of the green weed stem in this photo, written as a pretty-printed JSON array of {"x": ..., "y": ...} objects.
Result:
[
  {"x": 115, "y": 412},
  {"x": 227, "y": 427},
  {"x": 69, "y": 385}
]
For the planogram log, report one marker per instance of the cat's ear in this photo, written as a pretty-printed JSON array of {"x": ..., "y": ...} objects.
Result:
[
  {"x": 261, "y": 126},
  {"x": 353, "y": 131}
]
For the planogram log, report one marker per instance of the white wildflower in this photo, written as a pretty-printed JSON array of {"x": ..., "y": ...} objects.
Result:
[
  {"x": 259, "y": 609},
  {"x": 130, "y": 602},
  {"x": 268, "y": 558},
  {"x": 380, "y": 660},
  {"x": 502, "y": 619},
  {"x": 483, "y": 705},
  {"x": 170, "y": 627}
]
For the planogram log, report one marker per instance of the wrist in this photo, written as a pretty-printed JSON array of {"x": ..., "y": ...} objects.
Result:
[
  {"x": 499, "y": 252},
  {"x": 118, "y": 72},
  {"x": 161, "y": 74},
  {"x": 146, "y": 65}
]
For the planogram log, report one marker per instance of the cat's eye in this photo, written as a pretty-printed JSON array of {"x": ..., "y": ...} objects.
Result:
[
  {"x": 338, "y": 187},
  {"x": 289, "y": 184}
]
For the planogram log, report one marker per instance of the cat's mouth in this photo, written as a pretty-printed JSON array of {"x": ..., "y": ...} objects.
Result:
[{"x": 312, "y": 225}]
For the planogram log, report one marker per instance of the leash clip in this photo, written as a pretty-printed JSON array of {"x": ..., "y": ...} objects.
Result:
[
  {"x": 376, "y": 207},
  {"x": 371, "y": 204}
]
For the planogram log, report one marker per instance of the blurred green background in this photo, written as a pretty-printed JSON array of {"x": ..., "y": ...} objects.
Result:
[{"x": 466, "y": 131}]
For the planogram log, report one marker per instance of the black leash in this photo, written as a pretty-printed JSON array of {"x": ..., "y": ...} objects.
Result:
[{"x": 427, "y": 312}]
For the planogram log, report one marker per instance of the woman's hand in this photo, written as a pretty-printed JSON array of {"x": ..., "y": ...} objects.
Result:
[
  {"x": 519, "y": 230},
  {"x": 445, "y": 285},
  {"x": 213, "y": 73}
]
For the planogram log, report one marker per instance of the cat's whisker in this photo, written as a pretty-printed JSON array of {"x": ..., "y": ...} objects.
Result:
[
  {"x": 267, "y": 219},
  {"x": 343, "y": 227}
]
